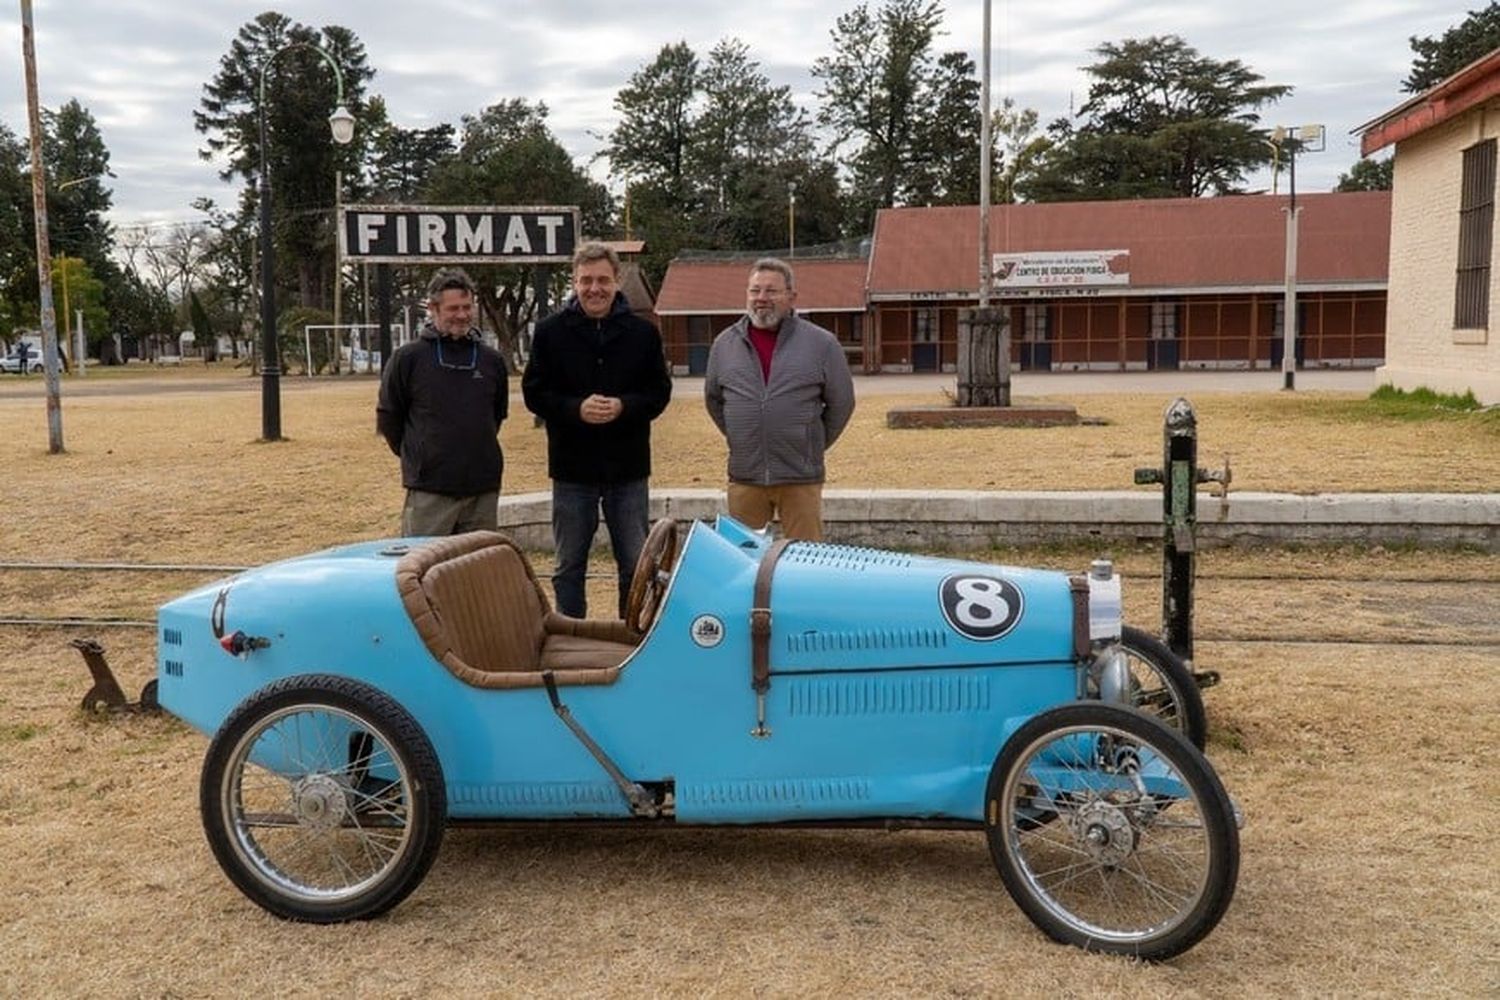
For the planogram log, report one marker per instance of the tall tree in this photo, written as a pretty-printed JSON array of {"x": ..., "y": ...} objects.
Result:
[
  {"x": 77, "y": 200},
  {"x": 1160, "y": 121},
  {"x": 137, "y": 311},
  {"x": 403, "y": 159},
  {"x": 301, "y": 156},
  {"x": 507, "y": 155},
  {"x": 876, "y": 92},
  {"x": 651, "y": 141},
  {"x": 17, "y": 257},
  {"x": 1438, "y": 58},
  {"x": 945, "y": 167},
  {"x": 752, "y": 147},
  {"x": 1020, "y": 149},
  {"x": 229, "y": 260},
  {"x": 710, "y": 152},
  {"x": 75, "y": 288},
  {"x": 1368, "y": 175}
]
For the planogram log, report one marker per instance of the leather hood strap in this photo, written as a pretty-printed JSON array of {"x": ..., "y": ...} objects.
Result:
[{"x": 760, "y": 618}]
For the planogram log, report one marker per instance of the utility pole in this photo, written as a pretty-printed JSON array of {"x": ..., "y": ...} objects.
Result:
[
  {"x": 43, "y": 249},
  {"x": 983, "y": 333},
  {"x": 1300, "y": 138}
]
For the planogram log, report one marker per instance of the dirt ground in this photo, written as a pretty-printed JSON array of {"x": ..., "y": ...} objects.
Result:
[{"x": 1356, "y": 725}]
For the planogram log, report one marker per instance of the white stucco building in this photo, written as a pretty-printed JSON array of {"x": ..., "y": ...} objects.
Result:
[{"x": 1443, "y": 302}]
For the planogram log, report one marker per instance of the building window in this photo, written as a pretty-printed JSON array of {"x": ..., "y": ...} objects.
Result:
[
  {"x": 1476, "y": 222},
  {"x": 1163, "y": 321},
  {"x": 926, "y": 327},
  {"x": 1034, "y": 325},
  {"x": 699, "y": 330}
]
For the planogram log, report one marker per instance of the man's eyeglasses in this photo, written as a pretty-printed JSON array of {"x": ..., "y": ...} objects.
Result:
[
  {"x": 444, "y": 363},
  {"x": 770, "y": 293}
]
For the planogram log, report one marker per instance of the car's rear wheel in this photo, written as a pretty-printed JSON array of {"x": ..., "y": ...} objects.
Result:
[
  {"x": 323, "y": 800},
  {"x": 1111, "y": 831},
  {"x": 1161, "y": 685}
]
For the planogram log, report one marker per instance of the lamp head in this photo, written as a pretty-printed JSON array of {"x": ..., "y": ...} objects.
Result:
[{"x": 342, "y": 124}]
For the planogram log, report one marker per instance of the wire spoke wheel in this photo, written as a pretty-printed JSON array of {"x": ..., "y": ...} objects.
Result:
[
  {"x": 1161, "y": 685},
  {"x": 1141, "y": 853},
  {"x": 323, "y": 800}
]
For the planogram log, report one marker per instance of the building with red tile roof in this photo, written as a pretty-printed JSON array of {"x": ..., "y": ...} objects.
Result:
[
  {"x": 1190, "y": 282},
  {"x": 701, "y": 297}
]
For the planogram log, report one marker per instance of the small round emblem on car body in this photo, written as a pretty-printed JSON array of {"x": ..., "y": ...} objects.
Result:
[{"x": 707, "y": 631}]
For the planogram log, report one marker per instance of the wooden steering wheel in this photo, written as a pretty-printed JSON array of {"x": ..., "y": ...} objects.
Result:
[{"x": 652, "y": 572}]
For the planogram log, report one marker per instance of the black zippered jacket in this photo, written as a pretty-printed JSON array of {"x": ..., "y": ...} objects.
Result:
[
  {"x": 442, "y": 415},
  {"x": 573, "y": 357}
]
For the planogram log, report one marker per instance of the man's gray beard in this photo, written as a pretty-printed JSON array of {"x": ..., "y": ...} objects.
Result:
[{"x": 769, "y": 320}]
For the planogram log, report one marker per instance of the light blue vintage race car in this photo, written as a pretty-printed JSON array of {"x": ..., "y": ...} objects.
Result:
[{"x": 362, "y": 698}]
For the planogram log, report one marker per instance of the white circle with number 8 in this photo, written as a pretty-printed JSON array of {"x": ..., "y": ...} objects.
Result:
[{"x": 980, "y": 607}]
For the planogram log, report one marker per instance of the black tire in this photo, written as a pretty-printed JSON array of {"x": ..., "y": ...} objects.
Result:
[
  {"x": 1162, "y": 685},
  {"x": 1141, "y": 853},
  {"x": 302, "y": 827}
]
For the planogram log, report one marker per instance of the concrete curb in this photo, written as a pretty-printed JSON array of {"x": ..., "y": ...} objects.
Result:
[{"x": 977, "y": 519}]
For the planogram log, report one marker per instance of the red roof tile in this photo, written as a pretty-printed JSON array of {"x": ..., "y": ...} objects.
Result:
[
  {"x": 1229, "y": 242},
  {"x": 718, "y": 286}
]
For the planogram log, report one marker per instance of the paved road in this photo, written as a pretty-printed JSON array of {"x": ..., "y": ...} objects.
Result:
[{"x": 1023, "y": 384}]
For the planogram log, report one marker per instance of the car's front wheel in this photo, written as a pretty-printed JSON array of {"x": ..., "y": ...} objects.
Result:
[
  {"x": 1111, "y": 831},
  {"x": 323, "y": 800}
]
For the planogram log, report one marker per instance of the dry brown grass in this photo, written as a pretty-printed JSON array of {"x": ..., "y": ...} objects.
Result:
[
  {"x": 1366, "y": 770},
  {"x": 177, "y": 475}
]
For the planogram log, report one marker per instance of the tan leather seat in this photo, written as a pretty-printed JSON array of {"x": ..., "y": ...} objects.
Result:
[{"x": 477, "y": 605}]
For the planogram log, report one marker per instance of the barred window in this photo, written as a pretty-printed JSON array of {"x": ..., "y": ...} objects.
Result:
[
  {"x": 1164, "y": 321},
  {"x": 1476, "y": 224}
]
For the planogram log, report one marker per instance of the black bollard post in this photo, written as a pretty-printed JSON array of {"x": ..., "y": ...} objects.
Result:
[{"x": 1179, "y": 476}]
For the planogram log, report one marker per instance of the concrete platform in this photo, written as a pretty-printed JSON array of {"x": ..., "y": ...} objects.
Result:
[
  {"x": 1035, "y": 415},
  {"x": 977, "y": 519}
]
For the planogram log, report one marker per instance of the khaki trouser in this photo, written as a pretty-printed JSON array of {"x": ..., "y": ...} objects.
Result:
[
  {"x": 437, "y": 514},
  {"x": 799, "y": 505}
]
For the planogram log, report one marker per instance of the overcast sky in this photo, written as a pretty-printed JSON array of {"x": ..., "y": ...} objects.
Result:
[{"x": 139, "y": 65}]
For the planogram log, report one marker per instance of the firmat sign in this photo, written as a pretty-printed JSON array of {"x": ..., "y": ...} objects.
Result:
[{"x": 432, "y": 234}]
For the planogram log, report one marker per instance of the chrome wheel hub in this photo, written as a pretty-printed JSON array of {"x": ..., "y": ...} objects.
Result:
[
  {"x": 318, "y": 801},
  {"x": 1104, "y": 831}
]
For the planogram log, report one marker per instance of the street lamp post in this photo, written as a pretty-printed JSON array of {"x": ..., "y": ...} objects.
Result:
[
  {"x": 1310, "y": 138},
  {"x": 342, "y": 124},
  {"x": 791, "y": 218}
]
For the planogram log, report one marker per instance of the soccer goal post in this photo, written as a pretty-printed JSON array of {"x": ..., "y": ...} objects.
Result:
[{"x": 353, "y": 347}]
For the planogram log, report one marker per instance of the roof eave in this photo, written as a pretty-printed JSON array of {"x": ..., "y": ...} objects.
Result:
[{"x": 1473, "y": 85}]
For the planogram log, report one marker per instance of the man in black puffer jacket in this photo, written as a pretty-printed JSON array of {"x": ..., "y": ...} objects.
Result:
[{"x": 598, "y": 377}]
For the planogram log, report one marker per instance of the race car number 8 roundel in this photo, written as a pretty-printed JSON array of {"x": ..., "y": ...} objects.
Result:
[{"x": 980, "y": 607}]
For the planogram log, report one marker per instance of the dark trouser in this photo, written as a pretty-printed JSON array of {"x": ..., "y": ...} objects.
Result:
[{"x": 575, "y": 518}]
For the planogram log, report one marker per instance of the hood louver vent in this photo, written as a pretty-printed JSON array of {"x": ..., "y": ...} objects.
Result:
[
  {"x": 883, "y": 638},
  {"x": 843, "y": 557}
]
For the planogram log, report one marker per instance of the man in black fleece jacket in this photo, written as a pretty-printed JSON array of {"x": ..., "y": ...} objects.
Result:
[
  {"x": 442, "y": 398},
  {"x": 598, "y": 377}
]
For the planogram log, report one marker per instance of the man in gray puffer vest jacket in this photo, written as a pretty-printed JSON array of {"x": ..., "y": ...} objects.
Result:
[{"x": 779, "y": 389}]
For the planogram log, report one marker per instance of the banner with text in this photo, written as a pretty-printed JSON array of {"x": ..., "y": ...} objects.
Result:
[
  {"x": 434, "y": 234},
  {"x": 1061, "y": 269}
]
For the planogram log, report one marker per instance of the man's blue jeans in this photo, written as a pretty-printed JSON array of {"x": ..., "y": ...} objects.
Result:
[{"x": 575, "y": 518}]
